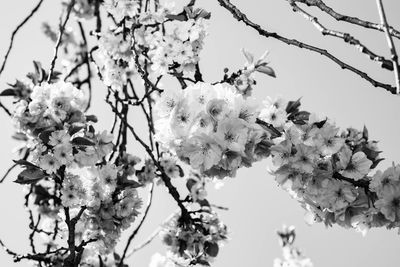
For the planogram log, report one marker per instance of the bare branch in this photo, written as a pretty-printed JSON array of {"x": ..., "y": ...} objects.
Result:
[
  {"x": 87, "y": 63},
  {"x": 59, "y": 39},
  {"x": 165, "y": 178},
  {"x": 134, "y": 233},
  {"x": 389, "y": 40},
  {"x": 346, "y": 37},
  {"x": 353, "y": 20},
  {"x": 10, "y": 252},
  {"x": 152, "y": 236},
  {"x": 7, "y": 111},
  {"x": 71, "y": 223},
  {"x": 34, "y": 10},
  {"x": 237, "y": 14}
]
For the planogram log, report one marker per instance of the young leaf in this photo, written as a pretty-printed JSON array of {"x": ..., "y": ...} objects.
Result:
[
  {"x": 211, "y": 249},
  {"x": 293, "y": 106},
  {"x": 181, "y": 172},
  {"x": 204, "y": 203},
  {"x": 8, "y": 92},
  {"x": 30, "y": 175},
  {"x": 25, "y": 163},
  {"x": 91, "y": 118},
  {"x": 266, "y": 70},
  {"x": 82, "y": 141},
  {"x": 375, "y": 163},
  {"x": 20, "y": 136},
  {"x": 76, "y": 127},
  {"x": 41, "y": 194},
  {"x": 130, "y": 183},
  {"x": 249, "y": 57},
  {"x": 365, "y": 133},
  {"x": 178, "y": 17},
  {"x": 190, "y": 183}
]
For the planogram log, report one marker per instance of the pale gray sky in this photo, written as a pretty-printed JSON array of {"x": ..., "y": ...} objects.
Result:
[{"x": 257, "y": 206}]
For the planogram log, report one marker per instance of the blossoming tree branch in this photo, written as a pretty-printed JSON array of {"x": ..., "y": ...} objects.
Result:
[{"x": 81, "y": 182}]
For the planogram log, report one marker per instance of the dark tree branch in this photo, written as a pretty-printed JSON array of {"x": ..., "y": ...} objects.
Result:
[
  {"x": 238, "y": 15},
  {"x": 70, "y": 261},
  {"x": 165, "y": 178},
  {"x": 353, "y": 20},
  {"x": 134, "y": 233},
  {"x": 346, "y": 37},
  {"x": 87, "y": 63},
  {"x": 34, "y": 10},
  {"x": 5, "y": 109},
  {"x": 59, "y": 39},
  {"x": 389, "y": 39},
  {"x": 7, "y": 250}
]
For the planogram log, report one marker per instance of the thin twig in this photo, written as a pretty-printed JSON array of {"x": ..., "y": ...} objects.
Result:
[
  {"x": 353, "y": 20},
  {"x": 32, "y": 234},
  {"x": 152, "y": 236},
  {"x": 346, "y": 37},
  {"x": 5, "y": 109},
  {"x": 134, "y": 233},
  {"x": 238, "y": 15},
  {"x": 8, "y": 172},
  {"x": 34, "y": 10},
  {"x": 59, "y": 39},
  {"x": 165, "y": 178},
  {"x": 87, "y": 62},
  {"x": 389, "y": 40},
  {"x": 10, "y": 252},
  {"x": 39, "y": 257}
]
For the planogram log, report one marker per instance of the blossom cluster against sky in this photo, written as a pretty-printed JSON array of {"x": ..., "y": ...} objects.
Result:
[{"x": 257, "y": 206}]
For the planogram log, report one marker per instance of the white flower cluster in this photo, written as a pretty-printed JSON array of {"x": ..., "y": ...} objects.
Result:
[
  {"x": 386, "y": 185},
  {"x": 216, "y": 131},
  {"x": 118, "y": 63},
  {"x": 245, "y": 78},
  {"x": 212, "y": 128},
  {"x": 178, "y": 47},
  {"x": 121, "y": 9},
  {"x": 195, "y": 242},
  {"x": 51, "y": 105},
  {"x": 69, "y": 155},
  {"x": 107, "y": 218},
  {"x": 164, "y": 43},
  {"x": 328, "y": 174}
]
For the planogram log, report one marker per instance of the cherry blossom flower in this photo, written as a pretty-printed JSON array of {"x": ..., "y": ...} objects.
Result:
[{"x": 356, "y": 166}]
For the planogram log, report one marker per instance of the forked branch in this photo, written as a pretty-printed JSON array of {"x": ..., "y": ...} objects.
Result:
[{"x": 240, "y": 16}]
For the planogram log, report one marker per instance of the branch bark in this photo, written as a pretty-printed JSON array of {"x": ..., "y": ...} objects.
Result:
[
  {"x": 391, "y": 45},
  {"x": 134, "y": 233},
  {"x": 240, "y": 16},
  {"x": 346, "y": 37},
  {"x": 34, "y": 10},
  {"x": 349, "y": 19}
]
